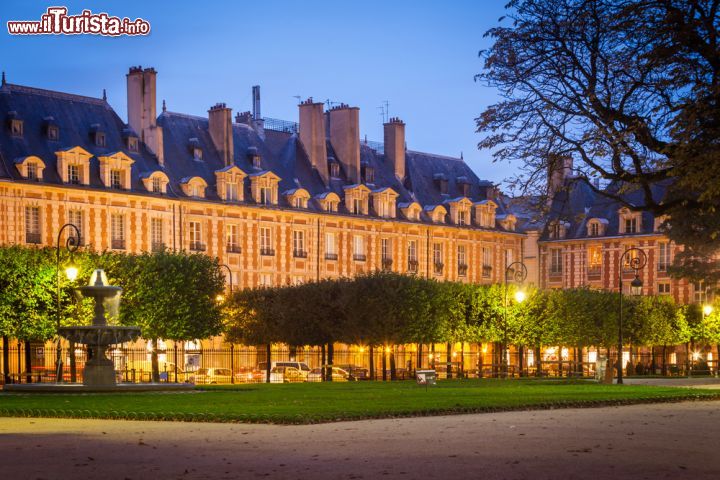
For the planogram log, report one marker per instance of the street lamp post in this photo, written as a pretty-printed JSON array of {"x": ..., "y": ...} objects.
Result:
[
  {"x": 637, "y": 260},
  {"x": 518, "y": 272},
  {"x": 72, "y": 243}
]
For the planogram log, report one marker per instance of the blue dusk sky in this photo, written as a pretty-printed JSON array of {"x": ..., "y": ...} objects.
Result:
[{"x": 419, "y": 56}]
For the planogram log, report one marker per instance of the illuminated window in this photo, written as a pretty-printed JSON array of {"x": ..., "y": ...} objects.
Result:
[
  {"x": 359, "y": 248},
  {"x": 233, "y": 238},
  {"x": 116, "y": 179},
  {"x": 299, "y": 244},
  {"x": 330, "y": 246},
  {"x": 32, "y": 225},
  {"x": 594, "y": 256},
  {"x": 32, "y": 171},
  {"x": 117, "y": 231},
  {"x": 231, "y": 191},
  {"x": 196, "y": 237},
  {"x": 157, "y": 185},
  {"x": 266, "y": 242},
  {"x": 156, "y": 234},
  {"x": 74, "y": 177},
  {"x": 556, "y": 261}
]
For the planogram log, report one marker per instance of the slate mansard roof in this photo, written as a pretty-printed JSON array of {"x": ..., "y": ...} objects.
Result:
[
  {"x": 78, "y": 117},
  {"x": 577, "y": 203}
]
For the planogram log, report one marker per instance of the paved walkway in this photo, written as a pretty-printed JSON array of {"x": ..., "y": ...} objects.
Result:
[
  {"x": 693, "y": 382},
  {"x": 675, "y": 441}
]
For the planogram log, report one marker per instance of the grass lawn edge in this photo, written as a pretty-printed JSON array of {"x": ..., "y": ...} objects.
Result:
[{"x": 315, "y": 419}]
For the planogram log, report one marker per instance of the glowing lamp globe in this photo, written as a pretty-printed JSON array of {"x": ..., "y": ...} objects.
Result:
[
  {"x": 71, "y": 272},
  {"x": 636, "y": 286},
  {"x": 520, "y": 296},
  {"x": 707, "y": 309}
]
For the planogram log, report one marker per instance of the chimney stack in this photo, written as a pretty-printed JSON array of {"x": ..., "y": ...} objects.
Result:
[
  {"x": 344, "y": 127},
  {"x": 394, "y": 139},
  {"x": 142, "y": 108},
  {"x": 256, "y": 102},
  {"x": 559, "y": 168},
  {"x": 220, "y": 126},
  {"x": 312, "y": 136}
]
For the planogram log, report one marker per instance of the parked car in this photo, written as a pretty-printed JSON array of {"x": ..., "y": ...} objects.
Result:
[
  {"x": 211, "y": 375},
  {"x": 277, "y": 376},
  {"x": 356, "y": 372},
  {"x": 287, "y": 375},
  {"x": 338, "y": 375},
  {"x": 249, "y": 375}
]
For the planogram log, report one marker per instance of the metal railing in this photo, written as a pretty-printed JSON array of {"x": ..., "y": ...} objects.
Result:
[
  {"x": 197, "y": 246},
  {"x": 280, "y": 125},
  {"x": 34, "y": 238},
  {"x": 300, "y": 253},
  {"x": 117, "y": 243},
  {"x": 233, "y": 248}
]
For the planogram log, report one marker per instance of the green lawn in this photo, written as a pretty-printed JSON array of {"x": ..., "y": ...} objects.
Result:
[{"x": 311, "y": 403}]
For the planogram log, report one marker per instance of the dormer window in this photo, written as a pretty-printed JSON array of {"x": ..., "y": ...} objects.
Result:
[
  {"x": 356, "y": 206},
  {"x": 30, "y": 168},
  {"x": 53, "y": 133},
  {"x": 357, "y": 199},
  {"x": 197, "y": 154},
  {"x": 630, "y": 222},
  {"x": 297, "y": 197},
  {"x": 411, "y": 210},
  {"x": 335, "y": 170},
  {"x": 229, "y": 183},
  {"x": 368, "y": 174},
  {"x": 328, "y": 201},
  {"x": 116, "y": 179},
  {"x": 99, "y": 139},
  {"x": 155, "y": 182},
  {"x": 596, "y": 227},
  {"x": 264, "y": 188},
  {"x": 460, "y": 210},
  {"x": 436, "y": 213},
  {"x": 463, "y": 186},
  {"x": 193, "y": 186},
  {"x": 508, "y": 222},
  {"x": 256, "y": 162},
  {"x": 254, "y": 158},
  {"x": 485, "y": 213},
  {"x": 133, "y": 144},
  {"x": 115, "y": 170},
  {"x": 16, "y": 127},
  {"x": 441, "y": 182},
  {"x": 74, "y": 176},
  {"x": 32, "y": 171},
  {"x": 557, "y": 229}
]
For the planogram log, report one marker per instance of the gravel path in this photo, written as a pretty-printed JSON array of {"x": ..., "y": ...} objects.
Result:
[{"x": 676, "y": 441}]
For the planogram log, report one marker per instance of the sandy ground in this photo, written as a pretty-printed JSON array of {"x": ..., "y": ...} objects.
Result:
[{"x": 675, "y": 441}]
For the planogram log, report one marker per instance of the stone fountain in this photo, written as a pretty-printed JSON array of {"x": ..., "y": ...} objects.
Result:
[{"x": 99, "y": 371}]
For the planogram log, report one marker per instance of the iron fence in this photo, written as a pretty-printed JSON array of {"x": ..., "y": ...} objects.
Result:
[{"x": 244, "y": 364}]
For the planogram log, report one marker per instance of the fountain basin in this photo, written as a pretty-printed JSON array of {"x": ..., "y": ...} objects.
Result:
[{"x": 100, "y": 335}]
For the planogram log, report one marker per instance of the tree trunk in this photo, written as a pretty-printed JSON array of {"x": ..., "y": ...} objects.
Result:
[
  {"x": 521, "y": 360},
  {"x": 393, "y": 370},
  {"x": 560, "y": 360},
  {"x": 538, "y": 361},
  {"x": 371, "y": 352},
  {"x": 154, "y": 361},
  {"x": 330, "y": 361},
  {"x": 448, "y": 359},
  {"x": 384, "y": 364},
  {"x": 432, "y": 349},
  {"x": 652, "y": 360},
  {"x": 28, "y": 362},
  {"x": 461, "y": 369},
  {"x": 664, "y": 360},
  {"x": 268, "y": 362},
  {"x": 418, "y": 363},
  {"x": 323, "y": 362},
  {"x": 73, "y": 362},
  {"x": 6, "y": 359}
]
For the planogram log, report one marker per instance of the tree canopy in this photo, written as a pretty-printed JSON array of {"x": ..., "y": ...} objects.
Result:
[{"x": 630, "y": 90}]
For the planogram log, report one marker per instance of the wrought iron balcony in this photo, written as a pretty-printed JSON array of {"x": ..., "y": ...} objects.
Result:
[
  {"x": 359, "y": 257},
  {"x": 331, "y": 256},
  {"x": 233, "y": 248},
  {"x": 413, "y": 266},
  {"x": 439, "y": 267},
  {"x": 118, "y": 243},
  {"x": 267, "y": 252},
  {"x": 197, "y": 246},
  {"x": 32, "y": 238},
  {"x": 462, "y": 269},
  {"x": 300, "y": 253}
]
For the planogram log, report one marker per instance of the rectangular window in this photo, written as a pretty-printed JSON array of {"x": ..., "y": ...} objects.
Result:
[
  {"x": 359, "y": 248},
  {"x": 462, "y": 218},
  {"x": 330, "y": 247},
  {"x": 699, "y": 292},
  {"x": 75, "y": 217},
  {"x": 663, "y": 288},
  {"x": 594, "y": 229},
  {"x": 156, "y": 185},
  {"x": 299, "y": 244},
  {"x": 115, "y": 179},
  {"x": 627, "y": 263},
  {"x": 196, "y": 237},
  {"x": 266, "y": 280},
  {"x": 156, "y": 234},
  {"x": 117, "y": 231},
  {"x": 233, "y": 238},
  {"x": 663, "y": 256},
  {"x": 508, "y": 257},
  {"x": 32, "y": 171},
  {"x": 594, "y": 260},
  {"x": 556, "y": 264},
  {"x": 386, "y": 248},
  {"x": 265, "y": 195},
  {"x": 631, "y": 225},
  {"x": 487, "y": 262},
  {"x": 412, "y": 256},
  {"x": 462, "y": 260},
  {"x": 32, "y": 225},
  {"x": 357, "y": 206},
  {"x": 231, "y": 192},
  {"x": 438, "y": 258},
  {"x": 74, "y": 177},
  {"x": 266, "y": 242}
]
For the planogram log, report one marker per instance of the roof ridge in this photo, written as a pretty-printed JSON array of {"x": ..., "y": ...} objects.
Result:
[
  {"x": 447, "y": 157},
  {"x": 184, "y": 115},
  {"x": 56, "y": 94}
]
